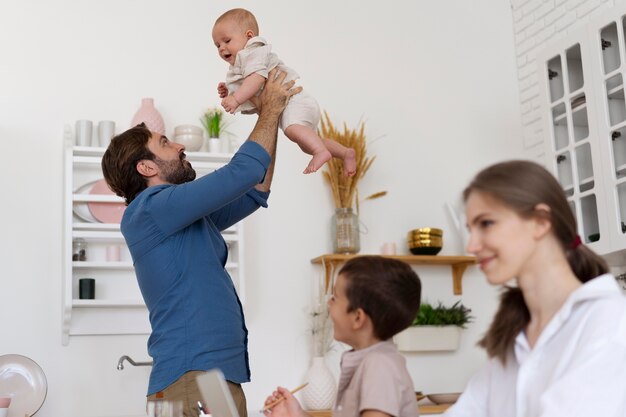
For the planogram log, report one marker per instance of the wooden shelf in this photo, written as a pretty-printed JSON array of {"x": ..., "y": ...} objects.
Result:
[{"x": 458, "y": 264}]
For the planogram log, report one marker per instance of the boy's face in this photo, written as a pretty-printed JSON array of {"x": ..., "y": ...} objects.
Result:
[
  {"x": 338, "y": 309},
  {"x": 230, "y": 38}
]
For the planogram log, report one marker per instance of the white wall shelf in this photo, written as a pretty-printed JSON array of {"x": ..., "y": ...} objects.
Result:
[{"x": 118, "y": 308}]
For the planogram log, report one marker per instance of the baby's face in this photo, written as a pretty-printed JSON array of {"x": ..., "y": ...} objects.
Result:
[{"x": 229, "y": 38}]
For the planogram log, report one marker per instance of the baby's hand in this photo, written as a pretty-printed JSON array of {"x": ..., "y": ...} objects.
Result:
[
  {"x": 222, "y": 90},
  {"x": 230, "y": 104}
]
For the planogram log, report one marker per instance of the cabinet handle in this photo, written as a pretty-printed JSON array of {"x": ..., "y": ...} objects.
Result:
[
  {"x": 552, "y": 74},
  {"x": 623, "y": 227},
  {"x": 560, "y": 159},
  {"x": 615, "y": 135},
  {"x": 605, "y": 44}
]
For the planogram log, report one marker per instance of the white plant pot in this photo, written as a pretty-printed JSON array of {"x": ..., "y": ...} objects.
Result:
[
  {"x": 321, "y": 390},
  {"x": 215, "y": 145},
  {"x": 428, "y": 338}
]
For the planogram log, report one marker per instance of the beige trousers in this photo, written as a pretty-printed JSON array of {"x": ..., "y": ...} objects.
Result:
[{"x": 185, "y": 389}]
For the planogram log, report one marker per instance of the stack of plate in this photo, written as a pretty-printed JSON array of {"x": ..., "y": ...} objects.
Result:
[{"x": 425, "y": 241}]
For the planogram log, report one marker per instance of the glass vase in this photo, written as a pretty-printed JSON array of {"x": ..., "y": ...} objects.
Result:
[{"x": 345, "y": 231}]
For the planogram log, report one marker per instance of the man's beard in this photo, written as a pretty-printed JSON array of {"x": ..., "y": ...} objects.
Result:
[{"x": 176, "y": 172}]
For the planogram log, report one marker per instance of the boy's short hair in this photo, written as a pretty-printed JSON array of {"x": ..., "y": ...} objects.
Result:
[
  {"x": 387, "y": 290},
  {"x": 244, "y": 19}
]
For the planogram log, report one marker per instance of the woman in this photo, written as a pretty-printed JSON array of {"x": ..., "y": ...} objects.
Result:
[{"x": 557, "y": 345}]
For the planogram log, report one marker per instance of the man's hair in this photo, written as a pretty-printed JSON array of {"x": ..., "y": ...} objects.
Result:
[
  {"x": 243, "y": 18},
  {"x": 386, "y": 289},
  {"x": 119, "y": 163}
]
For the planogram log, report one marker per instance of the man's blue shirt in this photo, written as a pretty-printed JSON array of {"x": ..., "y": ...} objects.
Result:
[{"x": 173, "y": 233}]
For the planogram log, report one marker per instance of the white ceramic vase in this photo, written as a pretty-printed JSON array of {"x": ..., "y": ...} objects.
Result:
[
  {"x": 215, "y": 145},
  {"x": 322, "y": 389}
]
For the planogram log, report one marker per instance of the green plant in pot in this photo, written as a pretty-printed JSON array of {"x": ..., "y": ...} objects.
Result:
[
  {"x": 435, "y": 328},
  {"x": 456, "y": 315},
  {"x": 213, "y": 122}
]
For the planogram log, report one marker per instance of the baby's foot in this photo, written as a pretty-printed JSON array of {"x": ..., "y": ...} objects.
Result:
[
  {"x": 317, "y": 161},
  {"x": 349, "y": 162}
]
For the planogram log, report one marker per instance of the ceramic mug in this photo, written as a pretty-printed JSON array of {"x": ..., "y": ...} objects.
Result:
[
  {"x": 388, "y": 248},
  {"x": 83, "y": 132},
  {"x": 106, "y": 130}
]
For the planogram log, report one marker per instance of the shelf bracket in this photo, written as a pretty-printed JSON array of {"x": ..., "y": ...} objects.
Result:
[{"x": 457, "y": 278}]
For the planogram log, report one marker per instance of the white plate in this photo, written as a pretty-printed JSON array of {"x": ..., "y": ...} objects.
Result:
[
  {"x": 82, "y": 209},
  {"x": 24, "y": 381}
]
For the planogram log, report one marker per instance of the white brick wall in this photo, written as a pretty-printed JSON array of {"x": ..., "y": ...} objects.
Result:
[{"x": 536, "y": 22}]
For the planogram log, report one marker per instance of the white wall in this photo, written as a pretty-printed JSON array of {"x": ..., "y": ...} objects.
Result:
[{"x": 435, "y": 82}]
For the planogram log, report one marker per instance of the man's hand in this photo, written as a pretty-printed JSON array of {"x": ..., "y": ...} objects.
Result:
[
  {"x": 230, "y": 104},
  {"x": 222, "y": 90},
  {"x": 275, "y": 95}
]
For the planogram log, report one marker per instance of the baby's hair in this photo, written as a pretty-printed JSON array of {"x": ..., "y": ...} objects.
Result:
[
  {"x": 387, "y": 290},
  {"x": 243, "y": 18}
]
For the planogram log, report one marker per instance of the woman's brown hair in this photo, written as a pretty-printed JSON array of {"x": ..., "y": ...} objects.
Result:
[
  {"x": 119, "y": 162},
  {"x": 522, "y": 186}
]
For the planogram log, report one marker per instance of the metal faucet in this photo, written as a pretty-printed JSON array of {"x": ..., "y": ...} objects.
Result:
[{"x": 120, "y": 363}]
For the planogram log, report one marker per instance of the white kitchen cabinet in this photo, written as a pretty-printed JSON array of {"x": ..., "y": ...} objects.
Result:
[
  {"x": 118, "y": 307},
  {"x": 582, "y": 97}
]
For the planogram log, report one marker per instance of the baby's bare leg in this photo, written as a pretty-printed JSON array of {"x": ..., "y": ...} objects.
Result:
[
  {"x": 310, "y": 143},
  {"x": 348, "y": 155}
]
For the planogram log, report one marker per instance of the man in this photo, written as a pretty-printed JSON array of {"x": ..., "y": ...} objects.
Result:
[{"x": 172, "y": 227}]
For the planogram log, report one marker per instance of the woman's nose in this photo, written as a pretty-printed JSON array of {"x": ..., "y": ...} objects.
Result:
[{"x": 472, "y": 244}]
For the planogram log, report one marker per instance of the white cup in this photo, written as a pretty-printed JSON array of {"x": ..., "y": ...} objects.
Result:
[
  {"x": 106, "y": 130},
  {"x": 4, "y": 412},
  {"x": 388, "y": 248},
  {"x": 113, "y": 253},
  {"x": 83, "y": 132}
]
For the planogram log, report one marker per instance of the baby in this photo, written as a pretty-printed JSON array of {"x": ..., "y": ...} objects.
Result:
[{"x": 235, "y": 35}]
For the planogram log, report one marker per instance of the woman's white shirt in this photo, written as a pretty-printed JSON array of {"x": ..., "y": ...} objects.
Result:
[{"x": 577, "y": 368}]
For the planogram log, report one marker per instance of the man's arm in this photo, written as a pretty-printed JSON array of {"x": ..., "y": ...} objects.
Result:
[{"x": 271, "y": 103}]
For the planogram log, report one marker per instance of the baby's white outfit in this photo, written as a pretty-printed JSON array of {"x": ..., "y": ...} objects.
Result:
[{"x": 257, "y": 57}]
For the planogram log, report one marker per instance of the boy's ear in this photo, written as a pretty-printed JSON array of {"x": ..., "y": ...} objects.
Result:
[
  {"x": 249, "y": 34},
  {"x": 360, "y": 317}
]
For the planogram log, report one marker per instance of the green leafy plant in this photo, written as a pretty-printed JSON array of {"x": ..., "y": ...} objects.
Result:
[
  {"x": 456, "y": 315},
  {"x": 213, "y": 122}
]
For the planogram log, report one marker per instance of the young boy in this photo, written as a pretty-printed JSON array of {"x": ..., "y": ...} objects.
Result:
[
  {"x": 236, "y": 36},
  {"x": 373, "y": 299}
]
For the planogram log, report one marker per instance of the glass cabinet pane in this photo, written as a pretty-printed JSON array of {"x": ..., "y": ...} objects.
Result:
[
  {"x": 621, "y": 199},
  {"x": 574, "y": 68},
  {"x": 564, "y": 172},
  {"x": 610, "y": 48},
  {"x": 615, "y": 99},
  {"x": 618, "y": 146},
  {"x": 559, "y": 122},
  {"x": 580, "y": 122},
  {"x": 585, "y": 167},
  {"x": 589, "y": 210},
  {"x": 555, "y": 78}
]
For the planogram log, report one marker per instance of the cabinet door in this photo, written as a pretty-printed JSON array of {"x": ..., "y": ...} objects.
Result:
[
  {"x": 608, "y": 59},
  {"x": 570, "y": 120}
]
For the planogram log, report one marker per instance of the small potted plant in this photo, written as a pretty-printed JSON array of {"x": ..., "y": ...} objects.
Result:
[
  {"x": 213, "y": 122},
  {"x": 435, "y": 328}
]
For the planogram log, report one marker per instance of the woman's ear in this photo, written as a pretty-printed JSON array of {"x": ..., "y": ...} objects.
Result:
[
  {"x": 543, "y": 219},
  {"x": 147, "y": 168}
]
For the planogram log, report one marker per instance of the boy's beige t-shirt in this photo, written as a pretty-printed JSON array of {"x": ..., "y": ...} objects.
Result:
[{"x": 375, "y": 378}]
